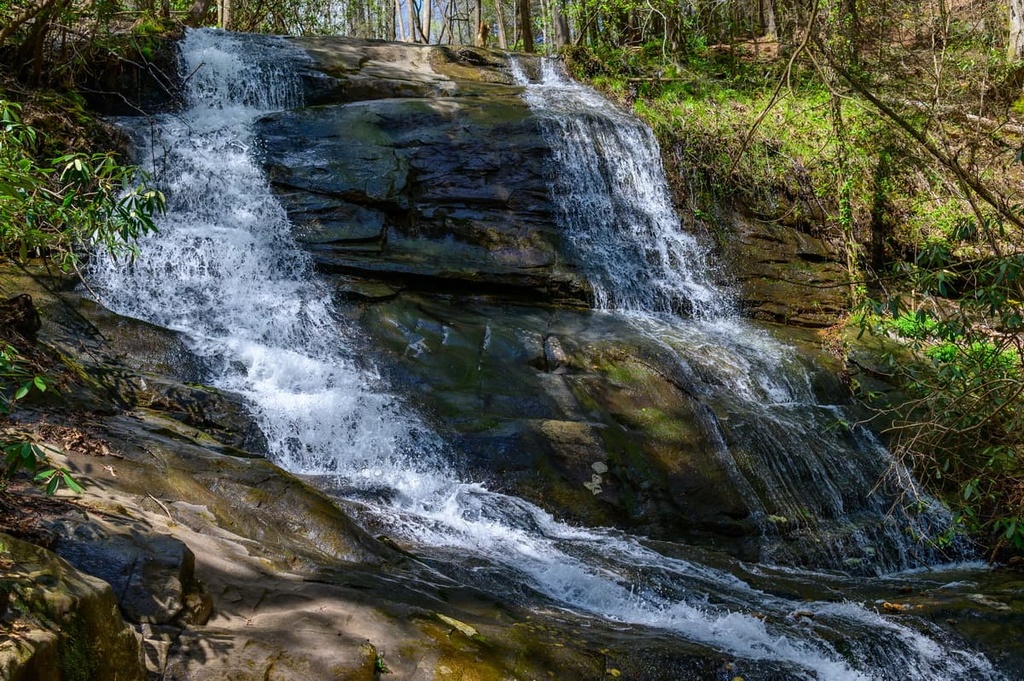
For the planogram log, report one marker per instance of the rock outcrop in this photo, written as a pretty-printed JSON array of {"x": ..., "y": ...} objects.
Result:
[
  {"x": 784, "y": 274},
  {"x": 422, "y": 184},
  {"x": 220, "y": 565},
  {"x": 420, "y": 166},
  {"x": 60, "y": 623},
  {"x": 575, "y": 411}
]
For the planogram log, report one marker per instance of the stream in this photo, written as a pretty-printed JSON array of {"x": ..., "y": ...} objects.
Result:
[{"x": 225, "y": 272}]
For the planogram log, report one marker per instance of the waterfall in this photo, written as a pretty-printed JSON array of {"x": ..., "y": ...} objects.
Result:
[
  {"x": 615, "y": 205},
  {"x": 809, "y": 473},
  {"x": 224, "y": 271}
]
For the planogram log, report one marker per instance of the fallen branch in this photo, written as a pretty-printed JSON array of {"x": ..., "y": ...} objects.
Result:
[{"x": 160, "y": 503}]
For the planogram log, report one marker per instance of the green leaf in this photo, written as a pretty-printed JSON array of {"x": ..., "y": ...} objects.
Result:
[
  {"x": 71, "y": 483},
  {"x": 8, "y": 189},
  {"x": 22, "y": 391},
  {"x": 40, "y": 383}
]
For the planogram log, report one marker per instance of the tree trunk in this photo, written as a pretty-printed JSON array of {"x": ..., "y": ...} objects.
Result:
[
  {"x": 478, "y": 24},
  {"x": 28, "y": 15},
  {"x": 853, "y": 31},
  {"x": 426, "y": 10},
  {"x": 525, "y": 24},
  {"x": 1015, "y": 49},
  {"x": 224, "y": 14},
  {"x": 560, "y": 25},
  {"x": 447, "y": 23},
  {"x": 771, "y": 29},
  {"x": 413, "y": 21},
  {"x": 197, "y": 12},
  {"x": 32, "y": 51},
  {"x": 499, "y": 12}
]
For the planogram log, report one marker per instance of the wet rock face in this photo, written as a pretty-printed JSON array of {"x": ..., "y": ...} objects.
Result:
[
  {"x": 421, "y": 180},
  {"x": 230, "y": 568},
  {"x": 601, "y": 424},
  {"x": 574, "y": 410},
  {"x": 438, "y": 181},
  {"x": 785, "y": 275},
  {"x": 67, "y": 621}
]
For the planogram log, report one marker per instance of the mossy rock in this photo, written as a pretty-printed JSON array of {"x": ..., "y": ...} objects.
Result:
[
  {"x": 66, "y": 612},
  {"x": 593, "y": 432}
]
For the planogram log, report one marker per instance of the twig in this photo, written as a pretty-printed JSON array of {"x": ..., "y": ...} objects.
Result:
[
  {"x": 784, "y": 78},
  {"x": 187, "y": 78},
  {"x": 160, "y": 503}
]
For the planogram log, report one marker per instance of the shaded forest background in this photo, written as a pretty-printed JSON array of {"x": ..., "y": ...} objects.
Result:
[{"x": 892, "y": 129}]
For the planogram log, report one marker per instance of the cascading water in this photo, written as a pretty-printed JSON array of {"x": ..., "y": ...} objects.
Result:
[
  {"x": 615, "y": 204},
  {"x": 834, "y": 487},
  {"x": 224, "y": 271}
]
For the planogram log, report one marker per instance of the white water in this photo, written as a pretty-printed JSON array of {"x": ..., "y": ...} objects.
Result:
[
  {"x": 615, "y": 204},
  {"x": 225, "y": 272},
  {"x": 838, "y": 488}
]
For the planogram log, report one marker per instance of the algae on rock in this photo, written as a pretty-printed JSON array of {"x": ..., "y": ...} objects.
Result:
[{"x": 63, "y": 625}]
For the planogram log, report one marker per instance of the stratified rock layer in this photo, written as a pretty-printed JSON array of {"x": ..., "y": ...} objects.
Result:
[
  {"x": 420, "y": 166},
  {"x": 420, "y": 179}
]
